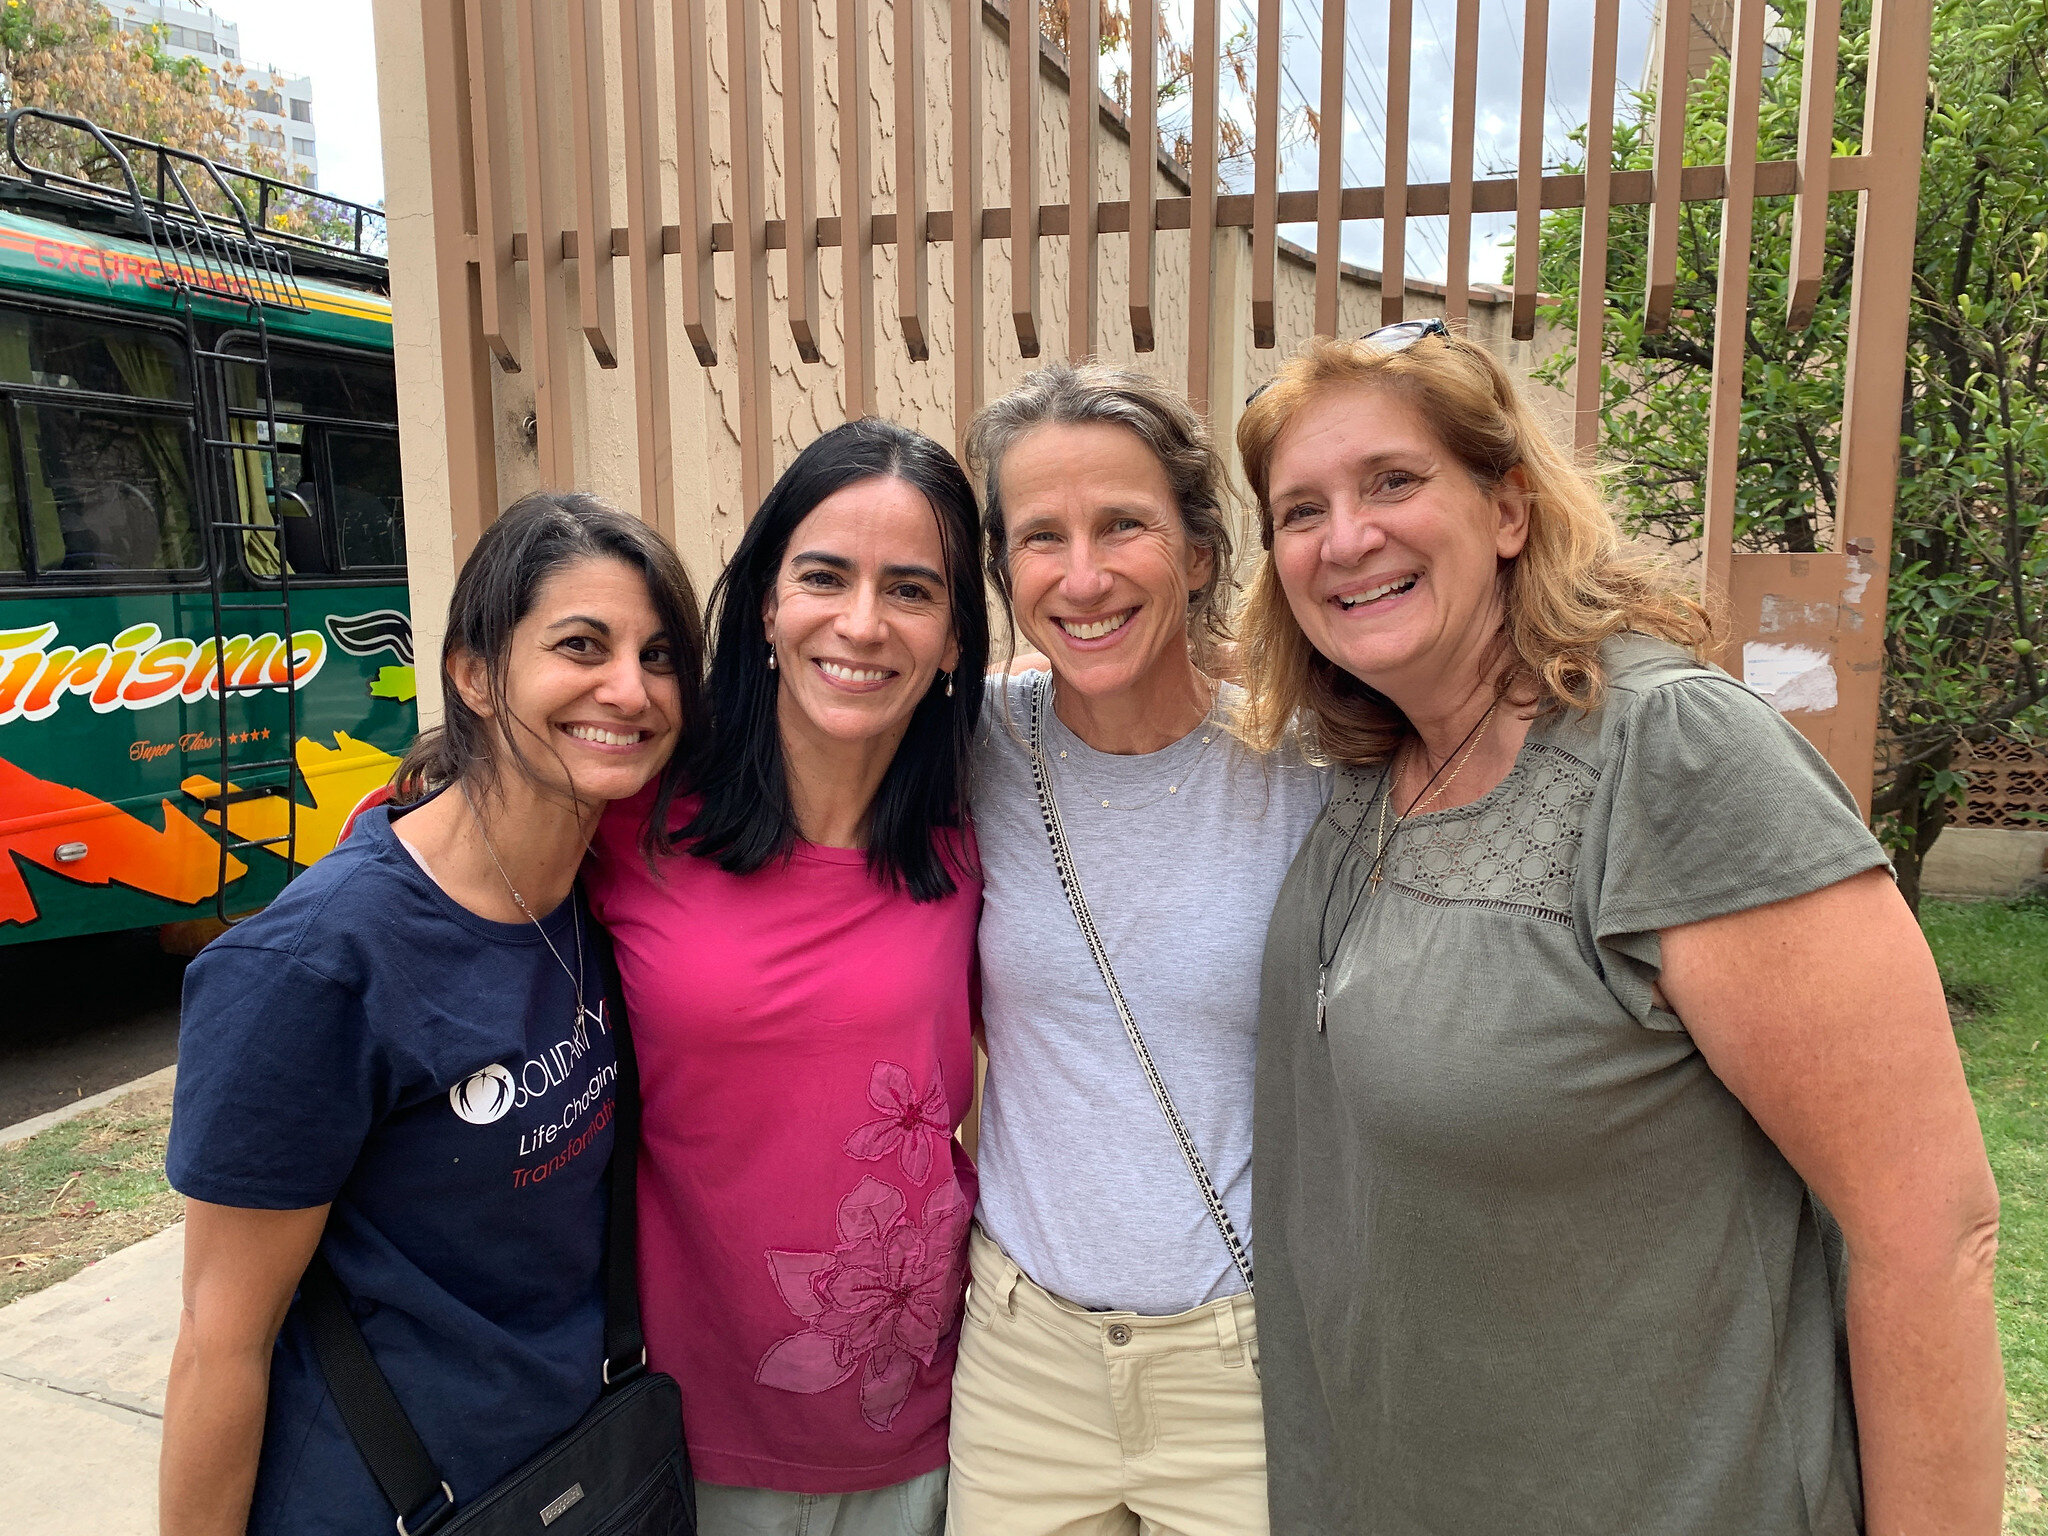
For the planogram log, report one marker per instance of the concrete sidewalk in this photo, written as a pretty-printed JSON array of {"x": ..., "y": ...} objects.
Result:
[{"x": 82, "y": 1372}]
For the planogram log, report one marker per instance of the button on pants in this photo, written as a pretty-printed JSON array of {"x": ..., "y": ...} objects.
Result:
[{"x": 1068, "y": 1422}]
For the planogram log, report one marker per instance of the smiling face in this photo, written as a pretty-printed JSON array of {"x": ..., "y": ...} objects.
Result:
[
  {"x": 1388, "y": 549},
  {"x": 860, "y": 618},
  {"x": 1100, "y": 562},
  {"x": 591, "y": 693}
]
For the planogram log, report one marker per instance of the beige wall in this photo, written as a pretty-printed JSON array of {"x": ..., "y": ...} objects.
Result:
[{"x": 807, "y": 397}]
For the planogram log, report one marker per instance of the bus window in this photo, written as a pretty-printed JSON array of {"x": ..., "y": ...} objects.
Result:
[
  {"x": 305, "y": 547},
  {"x": 369, "y": 499},
  {"x": 13, "y": 549},
  {"x": 108, "y": 491},
  {"x": 322, "y": 387},
  {"x": 54, "y": 351}
]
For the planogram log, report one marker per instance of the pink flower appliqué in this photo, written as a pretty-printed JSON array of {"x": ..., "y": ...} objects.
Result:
[
  {"x": 879, "y": 1303},
  {"x": 914, "y": 1125}
]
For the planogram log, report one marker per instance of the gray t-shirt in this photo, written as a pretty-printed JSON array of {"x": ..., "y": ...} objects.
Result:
[
  {"x": 1081, "y": 1180},
  {"x": 1525, "y": 1263}
]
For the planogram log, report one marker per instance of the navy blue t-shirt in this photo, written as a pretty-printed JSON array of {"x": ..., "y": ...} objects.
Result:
[{"x": 368, "y": 1042}]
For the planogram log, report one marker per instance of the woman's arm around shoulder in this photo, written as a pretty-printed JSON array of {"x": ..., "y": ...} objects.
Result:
[
  {"x": 241, "y": 1267},
  {"x": 1824, "y": 1015}
]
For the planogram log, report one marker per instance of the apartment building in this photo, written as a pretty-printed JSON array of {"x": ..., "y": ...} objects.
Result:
[{"x": 279, "y": 117}]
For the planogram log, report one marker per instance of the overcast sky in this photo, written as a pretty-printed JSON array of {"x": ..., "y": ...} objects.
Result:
[{"x": 331, "y": 40}]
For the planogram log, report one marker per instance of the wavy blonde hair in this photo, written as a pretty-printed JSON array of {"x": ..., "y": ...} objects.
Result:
[{"x": 1572, "y": 587}]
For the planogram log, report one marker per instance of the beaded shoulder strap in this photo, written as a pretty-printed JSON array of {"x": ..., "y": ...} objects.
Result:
[{"x": 1070, "y": 882}]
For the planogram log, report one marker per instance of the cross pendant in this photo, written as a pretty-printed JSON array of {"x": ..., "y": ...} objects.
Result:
[{"x": 1322, "y": 999}]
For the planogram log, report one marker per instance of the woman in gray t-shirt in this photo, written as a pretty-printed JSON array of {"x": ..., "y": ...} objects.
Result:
[
  {"x": 1107, "y": 1377},
  {"x": 1589, "y": 1012}
]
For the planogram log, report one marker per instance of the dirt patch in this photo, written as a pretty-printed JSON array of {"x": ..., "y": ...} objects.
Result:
[{"x": 84, "y": 1189}]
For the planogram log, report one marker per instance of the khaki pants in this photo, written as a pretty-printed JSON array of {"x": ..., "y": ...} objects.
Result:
[{"x": 1075, "y": 1423}]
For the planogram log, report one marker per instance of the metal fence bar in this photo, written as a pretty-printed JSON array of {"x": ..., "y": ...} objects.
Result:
[
  {"x": 1024, "y": 173},
  {"x": 646, "y": 277},
  {"x": 1266, "y": 175},
  {"x": 1464, "y": 107},
  {"x": 1667, "y": 167},
  {"x": 856, "y": 245},
  {"x": 1394, "y": 224},
  {"x": 1083, "y": 62},
  {"x": 913, "y": 263},
  {"x": 1529, "y": 167},
  {"x": 690, "y": 35},
  {"x": 1731, "y": 295},
  {"x": 483, "y": 33},
  {"x": 554, "y": 428},
  {"x": 1202, "y": 201},
  {"x": 750, "y": 251},
  {"x": 1330, "y": 172},
  {"x": 799, "y": 180},
  {"x": 1592, "y": 319},
  {"x": 1144, "y": 151},
  {"x": 597, "y": 311},
  {"x": 966, "y": 217},
  {"x": 1816, "y": 148}
]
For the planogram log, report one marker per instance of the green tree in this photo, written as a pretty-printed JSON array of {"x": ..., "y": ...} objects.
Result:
[{"x": 1969, "y": 573}]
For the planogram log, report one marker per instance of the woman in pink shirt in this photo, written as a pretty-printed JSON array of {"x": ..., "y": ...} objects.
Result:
[{"x": 799, "y": 970}]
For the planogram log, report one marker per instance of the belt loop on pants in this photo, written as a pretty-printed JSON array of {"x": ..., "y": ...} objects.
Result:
[{"x": 1228, "y": 1341}]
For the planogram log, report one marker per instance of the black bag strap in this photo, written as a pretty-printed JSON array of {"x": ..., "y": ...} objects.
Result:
[{"x": 376, "y": 1421}]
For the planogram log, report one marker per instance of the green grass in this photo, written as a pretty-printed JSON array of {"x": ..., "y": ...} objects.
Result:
[{"x": 1994, "y": 963}]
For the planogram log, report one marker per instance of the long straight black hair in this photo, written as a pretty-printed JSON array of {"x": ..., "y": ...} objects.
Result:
[{"x": 746, "y": 818}]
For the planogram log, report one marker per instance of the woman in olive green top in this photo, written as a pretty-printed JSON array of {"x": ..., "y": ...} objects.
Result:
[{"x": 1586, "y": 1003}]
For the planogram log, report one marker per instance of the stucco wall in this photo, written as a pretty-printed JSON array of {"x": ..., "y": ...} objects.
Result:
[{"x": 806, "y": 397}]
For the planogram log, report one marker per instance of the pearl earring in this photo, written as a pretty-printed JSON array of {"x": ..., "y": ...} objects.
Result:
[
  {"x": 771, "y": 660},
  {"x": 949, "y": 685}
]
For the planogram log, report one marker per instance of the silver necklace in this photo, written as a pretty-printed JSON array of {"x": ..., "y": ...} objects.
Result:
[
  {"x": 583, "y": 1015},
  {"x": 1209, "y": 729}
]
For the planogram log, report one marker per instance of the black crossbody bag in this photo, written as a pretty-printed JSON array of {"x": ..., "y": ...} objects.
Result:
[{"x": 621, "y": 1470}]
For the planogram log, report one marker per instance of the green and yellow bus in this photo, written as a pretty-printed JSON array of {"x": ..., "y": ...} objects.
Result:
[{"x": 205, "y": 650}]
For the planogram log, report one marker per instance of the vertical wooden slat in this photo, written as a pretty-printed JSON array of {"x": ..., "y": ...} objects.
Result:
[
  {"x": 1084, "y": 29},
  {"x": 547, "y": 326},
  {"x": 1894, "y": 115},
  {"x": 1593, "y": 233},
  {"x": 1667, "y": 166},
  {"x": 1266, "y": 175},
  {"x": 1024, "y": 173},
  {"x": 467, "y": 445},
  {"x": 967, "y": 200},
  {"x": 856, "y": 246},
  {"x": 646, "y": 280},
  {"x": 750, "y": 252},
  {"x": 1330, "y": 173},
  {"x": 1394, "y": 242},
  {"x": 1816, "y": 150},
  {"x": 1202, "y": 203},
  {"x": 913, "y": 251},
  {"x": 1731, "y": 295},
  {"x": 1144, "y": 153},
  {"x": 1529, "y": 167},
  {"x": 489, "y": 148},
  {"x": 596, "y": 310},
  {"x": 799, "y": 179},
  {"x": 690, "y": 35},
  {"x": 1464, "y": 103}
]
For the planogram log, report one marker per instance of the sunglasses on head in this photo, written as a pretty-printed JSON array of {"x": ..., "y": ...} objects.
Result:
[{"x": 1397, "y": 337}]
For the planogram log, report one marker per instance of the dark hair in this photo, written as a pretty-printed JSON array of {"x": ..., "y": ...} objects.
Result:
[
  {"x": 537, "y": 536},
  {"x": 746, "y": 818}
]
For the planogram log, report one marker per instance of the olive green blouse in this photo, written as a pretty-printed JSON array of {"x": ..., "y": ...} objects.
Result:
[{"x": 1525, "y": 1264}]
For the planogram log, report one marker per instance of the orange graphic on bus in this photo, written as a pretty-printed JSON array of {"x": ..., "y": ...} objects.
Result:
[{"x": 180, "y": 863}]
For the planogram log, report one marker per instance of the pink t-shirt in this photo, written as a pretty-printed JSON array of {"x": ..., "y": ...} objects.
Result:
[{"x": 805, "y": 1054}]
